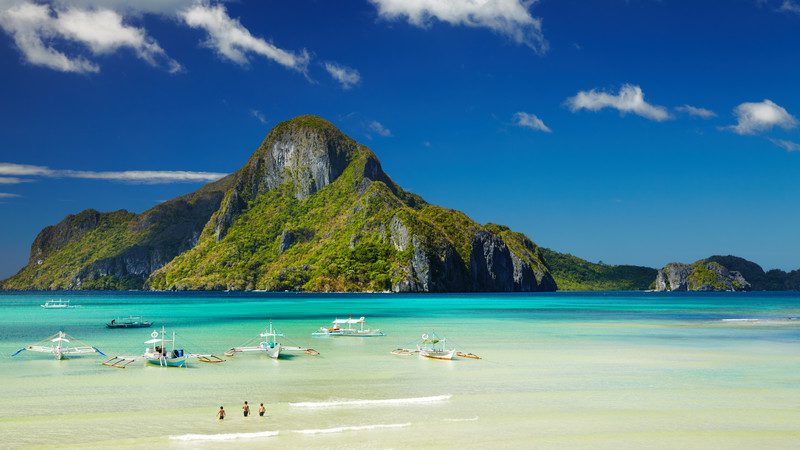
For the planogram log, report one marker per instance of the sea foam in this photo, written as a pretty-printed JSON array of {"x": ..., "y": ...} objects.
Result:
[
  {"x": 382, "y": 402},
  {"x": 471, "y": 419},
  {"x": 222, "y": 437},
  {"x": 352, "y": 428}
]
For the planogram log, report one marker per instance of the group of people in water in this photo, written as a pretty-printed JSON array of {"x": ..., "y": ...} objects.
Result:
[{"x": 245, "y": 411}]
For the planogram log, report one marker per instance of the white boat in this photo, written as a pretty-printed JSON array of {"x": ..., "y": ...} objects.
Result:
[
  {"x": 158, "y": 354},
  {"x": 270, "y": 345},
  {"x": 336, "y": 329},
  {"x": 61, "y": 346},
  {"x": 57, "y": 304},
  {"x": 434, "y": 347}
]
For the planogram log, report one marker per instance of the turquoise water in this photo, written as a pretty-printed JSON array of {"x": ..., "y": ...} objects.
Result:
[{"x": 558, "y": 370}]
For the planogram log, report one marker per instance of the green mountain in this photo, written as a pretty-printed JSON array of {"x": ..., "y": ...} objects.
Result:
[
  {"x": 311, "y": 210},
  {"x": 575, "y": 274}
]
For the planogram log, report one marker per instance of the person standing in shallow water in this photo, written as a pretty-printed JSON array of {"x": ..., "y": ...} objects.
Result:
[
  {"x": 246, "y": 409},
  {"x": 261, "y": 410},
  {"x": 221, "y": 413}
]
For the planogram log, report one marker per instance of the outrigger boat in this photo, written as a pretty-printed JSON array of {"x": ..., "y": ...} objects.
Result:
[
  {"x": 61, "y": 346},
  {"x": 129, "y": 322},
  {"x": 159, "y": 355},
  {"x": 57, "y": 304},
  {"x": 270, "y": 345},
  {"x": 336, "y": 330},
  {"x": 434, "y": 347}
]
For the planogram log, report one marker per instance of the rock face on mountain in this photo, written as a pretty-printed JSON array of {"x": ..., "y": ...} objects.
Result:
[
  {"x": 311, "y": 210},
  {"x": 703, "y": 275}
]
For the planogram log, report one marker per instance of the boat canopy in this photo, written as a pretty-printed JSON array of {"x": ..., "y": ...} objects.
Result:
[
  {"x": 349, "y": 321},
  {"x": 156, "y": 340}
]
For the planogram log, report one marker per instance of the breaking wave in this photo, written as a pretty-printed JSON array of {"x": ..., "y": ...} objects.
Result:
[
  {"x": 222, "y": 437},
  {"x": 383, "y": 402},
  {"x": 352, "y": 428},
  {"x": 471, "y": 419}
]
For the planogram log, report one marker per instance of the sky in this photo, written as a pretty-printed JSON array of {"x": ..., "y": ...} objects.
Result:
[{"x": 623, "y": 131}]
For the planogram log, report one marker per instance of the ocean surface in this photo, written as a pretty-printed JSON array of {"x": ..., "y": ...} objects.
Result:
[{"x": 565, "y": 370}]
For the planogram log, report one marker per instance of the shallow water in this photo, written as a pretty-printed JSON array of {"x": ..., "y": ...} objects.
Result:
[{"x": 558, "y": 370}]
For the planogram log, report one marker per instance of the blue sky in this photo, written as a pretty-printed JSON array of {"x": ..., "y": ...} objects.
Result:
[{"x": 638, "y": 132}]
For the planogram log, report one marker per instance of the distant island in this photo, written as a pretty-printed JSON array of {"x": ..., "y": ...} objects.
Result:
[{"x": 313, "y": 210}]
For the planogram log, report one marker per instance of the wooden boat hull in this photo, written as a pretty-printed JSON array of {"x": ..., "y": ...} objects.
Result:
[
  {"x": 436, "y": 354},
  {"x": 130, "y": 325},
  {"x": 273, "y": 352},
  {"x": 168, "y": 362}
]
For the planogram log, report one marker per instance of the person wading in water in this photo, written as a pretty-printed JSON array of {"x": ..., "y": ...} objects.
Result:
[
  {"x": 246, "y": 409},
  {"x": 221, "y": 413},
  {"x": 261, "y": 410}
]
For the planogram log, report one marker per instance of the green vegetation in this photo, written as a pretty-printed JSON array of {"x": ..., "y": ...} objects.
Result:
[
  {"x": 270, "y": 226},
  {"x": 575, "y": 274},
  {"x": 707, "y": 274},
  {"x": 60, "y": 267}
]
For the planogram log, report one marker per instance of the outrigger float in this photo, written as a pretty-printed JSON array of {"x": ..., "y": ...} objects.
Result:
[
  {"x": 270, "y": 345},
  {"x": 336, "y": 329},
  {"x": 160, "y": 356},
  {"x": 61, "y": 345},
  {"x": 433, "y": 347}
]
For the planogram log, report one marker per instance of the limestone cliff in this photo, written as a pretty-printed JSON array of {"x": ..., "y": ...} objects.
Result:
[{"x": 311, "y": 210}]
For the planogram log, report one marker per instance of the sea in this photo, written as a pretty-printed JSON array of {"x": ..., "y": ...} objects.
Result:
[{"x": 557, "y": 370}]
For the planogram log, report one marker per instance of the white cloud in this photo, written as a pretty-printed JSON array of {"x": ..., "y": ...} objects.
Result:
[
  {"x": 231, "y": 40},
  {"x": 258, "y": 115},
  {"x": 526, "y": 120},
  {"x": 792, "y": 6},
  {"x": 36, "y": 28},
  {"x": 630, "y": 99},
  {"x": 696, "y": 111},
  {"x": 131, "y": 176},
  {"x": 12, "y": 180},
  {"x": 755, "y": 117},
  {"x": 346, "y": 76},
  {"x": 23, "y": 170},
  {"x": 137, "y": 7},
  {"x": 789, "y": 146},
  {"x": 511, "y": 18},
  {"x": 7, "y": 195},
  {"x": 378, "y": 128}
]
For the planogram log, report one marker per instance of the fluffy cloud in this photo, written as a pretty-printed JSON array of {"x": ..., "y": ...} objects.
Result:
[
  {"x": 789, "y": 146},
  {"x": 755, "y": 117},
  {"x": 378, "y": 128},
  {"x": 511, "y": 18},
  {"x": 130, "y": 176},
  {"x": 697, "y": 112},
  {"x": 7, "y": 195},
  {"x": 35, "y": 28},
  {"x": 346, "y": 76},
  {"x": 526, "y": 120},
  {"x": 234, "y": 42},
  {"x": 630, "y": 99}
]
